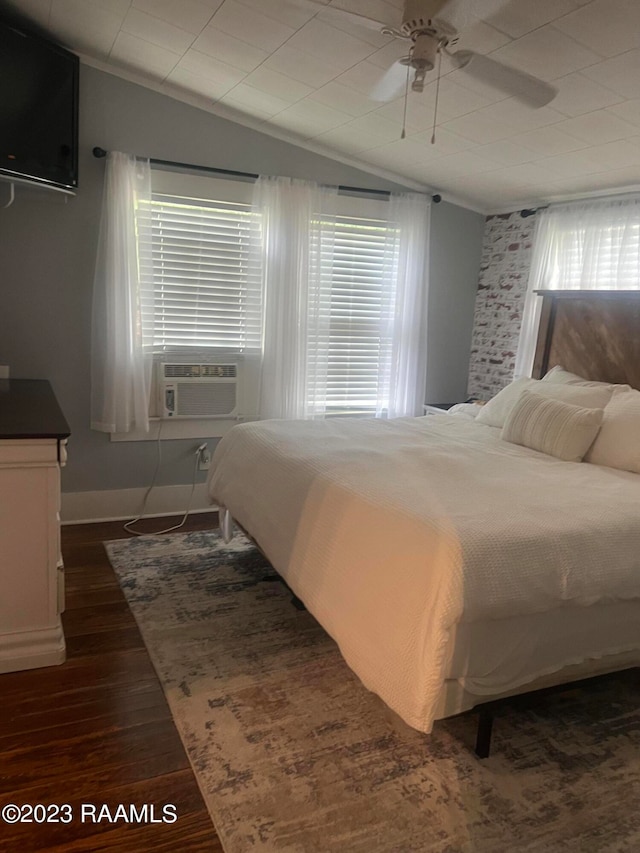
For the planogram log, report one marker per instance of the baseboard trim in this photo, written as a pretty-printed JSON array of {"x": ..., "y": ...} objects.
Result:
[
  {"x": 125, "y": 504},
  {"x": 32, "y": 649}
]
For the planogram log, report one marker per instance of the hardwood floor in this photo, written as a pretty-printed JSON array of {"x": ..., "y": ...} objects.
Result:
[{"x": 97, "y": 729}]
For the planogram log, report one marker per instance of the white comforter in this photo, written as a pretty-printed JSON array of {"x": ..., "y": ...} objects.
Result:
[{"x": 392, "y": 532}]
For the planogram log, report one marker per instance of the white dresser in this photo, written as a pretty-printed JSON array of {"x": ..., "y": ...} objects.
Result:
[{"x": 33, "y": 435}]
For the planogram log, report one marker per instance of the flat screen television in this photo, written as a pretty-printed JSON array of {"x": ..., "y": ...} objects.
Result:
[{"x": 38, "y": 110}]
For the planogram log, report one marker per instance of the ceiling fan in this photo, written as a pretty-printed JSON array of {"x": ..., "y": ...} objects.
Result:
[{"x": 433, "y": 27}]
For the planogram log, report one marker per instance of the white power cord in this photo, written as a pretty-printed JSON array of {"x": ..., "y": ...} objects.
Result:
[{"x": 127, "y": 526}]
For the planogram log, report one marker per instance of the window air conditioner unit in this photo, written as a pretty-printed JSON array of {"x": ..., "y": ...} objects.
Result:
[{"x": 198, "y": 390}]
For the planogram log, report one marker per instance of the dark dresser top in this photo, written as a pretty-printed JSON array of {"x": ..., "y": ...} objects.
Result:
[{"x": 29, "y": 409}]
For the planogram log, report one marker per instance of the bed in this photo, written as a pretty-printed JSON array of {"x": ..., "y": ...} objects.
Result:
[{"x": 453, "y": 567}]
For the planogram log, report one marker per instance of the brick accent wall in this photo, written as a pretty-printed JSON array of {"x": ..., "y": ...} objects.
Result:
[{"x": 502, "y": 287}]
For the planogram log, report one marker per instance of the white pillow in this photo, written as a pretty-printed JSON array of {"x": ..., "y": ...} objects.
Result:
[
  {"x": 470, "y": 410},
  {"x": 497, "y": 410},
  {"x": 564, "y": 377},
  {"x": 618, "y": 442},
  {"x": 552, "y": 427}
]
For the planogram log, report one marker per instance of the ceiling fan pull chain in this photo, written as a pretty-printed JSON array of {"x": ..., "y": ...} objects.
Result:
[
  {"x": 406, "y": 103},
  {"x": 435, "y": 107}
]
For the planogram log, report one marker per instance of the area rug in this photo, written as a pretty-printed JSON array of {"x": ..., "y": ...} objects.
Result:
[{"x": 294, "y": 755}]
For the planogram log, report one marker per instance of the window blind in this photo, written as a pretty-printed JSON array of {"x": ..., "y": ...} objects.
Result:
[
  {"x": 206, "y": 292},
  {"x": 355, "y": 256}
]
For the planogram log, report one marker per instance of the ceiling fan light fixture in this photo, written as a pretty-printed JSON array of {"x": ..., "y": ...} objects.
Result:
[
  {"x": 422, "y": 59},
  {"x": 424, "y": 52},
  {"x": 525, "y": 88}
]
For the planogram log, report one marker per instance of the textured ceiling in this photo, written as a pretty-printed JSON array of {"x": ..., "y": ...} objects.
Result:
[{"x": 289, "y": 67}]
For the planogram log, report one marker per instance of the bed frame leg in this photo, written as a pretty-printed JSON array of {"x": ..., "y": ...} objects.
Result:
[
  {"x": 483, "y": 736},
  {"x": 226, "y": 524}
]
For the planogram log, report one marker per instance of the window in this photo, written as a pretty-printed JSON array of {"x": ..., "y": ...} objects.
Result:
[
  {"x": 205, "y": 261},
  {"x": 207, "y": 301},
  {"x": 355, "y": 253},
  {"x": 203, "y": 293},
  {"x": 598, "y": 250},
  {"x": 206, "y": 291}
]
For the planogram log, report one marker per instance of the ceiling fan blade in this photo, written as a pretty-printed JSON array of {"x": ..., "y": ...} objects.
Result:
[
  {"x": 520, "y": 85},
  {"x": 392, "y": 85},
  {"x": 337, "y": 13},
  {"x": 458, "y": 15}
]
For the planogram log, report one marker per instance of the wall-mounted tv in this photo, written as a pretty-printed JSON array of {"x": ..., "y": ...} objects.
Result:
[{"x": 38, "y": 110}]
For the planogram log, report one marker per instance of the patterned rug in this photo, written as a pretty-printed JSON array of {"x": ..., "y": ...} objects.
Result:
[{"x": 292, "y": 753}]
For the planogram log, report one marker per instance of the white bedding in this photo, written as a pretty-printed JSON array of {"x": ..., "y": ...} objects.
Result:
[{"x": 393, "y": 532}]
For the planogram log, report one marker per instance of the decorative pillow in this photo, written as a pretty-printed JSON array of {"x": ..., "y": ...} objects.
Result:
[
  {"x": 618, "y": 442},
  {"x": 497, "y": 410},
  {"x": 560, "y": 376},
  {"x": 552, "y": 427}
]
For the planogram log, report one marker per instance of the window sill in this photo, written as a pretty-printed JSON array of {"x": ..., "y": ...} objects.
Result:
[{"x": 178, "y": 428}]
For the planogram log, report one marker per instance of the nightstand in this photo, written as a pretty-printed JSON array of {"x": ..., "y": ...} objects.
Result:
[{"x": 437, "y": 408}]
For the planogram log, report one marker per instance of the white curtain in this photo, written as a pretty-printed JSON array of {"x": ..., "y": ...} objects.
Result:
[
  {"x": 592, "y": 245},
  {"x": 410, "y": 213},
  {"x": 292, "y": 290},
  {"x": 122, "y": 299},
  {"x": 322, "y": 245},
  {"x": 298, "y": 228}
]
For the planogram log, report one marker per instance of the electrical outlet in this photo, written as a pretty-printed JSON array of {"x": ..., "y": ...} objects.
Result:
[{"x": 204, "y": 460}]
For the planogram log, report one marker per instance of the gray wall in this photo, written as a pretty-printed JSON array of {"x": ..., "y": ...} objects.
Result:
[
  {"x": 47, "y": 252},
  {"x": 456, "y": 248}
]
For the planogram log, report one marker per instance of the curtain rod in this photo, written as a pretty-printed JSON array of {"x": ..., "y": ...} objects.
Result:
[
  {"x": 100, "y": 152},
  {"x": 592, "y": 198}
]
